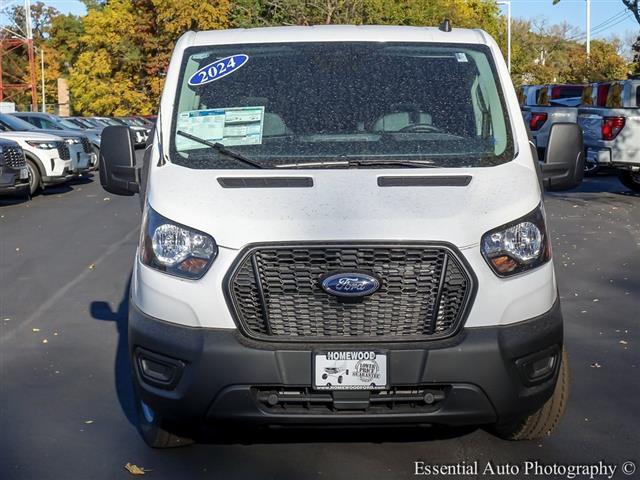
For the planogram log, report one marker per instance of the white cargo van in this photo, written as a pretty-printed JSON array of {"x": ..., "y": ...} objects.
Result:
[{"x": 342, "y": 225}]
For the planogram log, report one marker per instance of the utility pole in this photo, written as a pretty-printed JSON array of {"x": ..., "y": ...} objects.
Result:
[
  {"x": 44, "y": 98},
  {"x": 588, "y": 27},
  {"x": 32, "y": 60},
  {"x": 588, "y": 5},
  {"x": 508, "y": 4}
]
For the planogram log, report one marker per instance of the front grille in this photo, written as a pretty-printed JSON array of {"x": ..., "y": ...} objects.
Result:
[
  {"x": 13, "y": 157},
  {"x": 86, "y": 144},
  {"x": 63, "y": 150},
  {"x": 275, "y": 292}
]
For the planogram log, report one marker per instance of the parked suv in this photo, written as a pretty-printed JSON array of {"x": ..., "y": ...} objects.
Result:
[
  {"x": 14, "y": 175},
  {"x": 342, "y": 225},
  {"x": 53, "y": 123},
  {"x": 48, "y": 157},
  {"x": 81, "y": 152}
]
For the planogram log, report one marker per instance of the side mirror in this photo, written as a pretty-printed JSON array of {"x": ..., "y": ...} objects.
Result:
[
  {"x": 118, "y": 171},
  {"x": 564, "y": 165}
]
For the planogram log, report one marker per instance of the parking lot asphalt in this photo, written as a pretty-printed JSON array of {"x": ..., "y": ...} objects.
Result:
[{"x": 65, "y": 397}]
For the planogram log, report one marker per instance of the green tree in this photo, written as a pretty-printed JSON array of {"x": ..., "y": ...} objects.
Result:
[
  {"x": 462, "y": 13},
  {"x": 603, "y": 64},
  {"x": 126, "y": 47}
]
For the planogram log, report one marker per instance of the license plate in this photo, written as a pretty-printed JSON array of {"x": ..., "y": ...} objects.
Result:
[
  {"x": 350, "y": 370},
  {"x": 24, "y": 173}
]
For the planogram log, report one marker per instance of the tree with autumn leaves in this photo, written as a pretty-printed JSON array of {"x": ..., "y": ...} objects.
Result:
[{"x": 116, "y": 55}]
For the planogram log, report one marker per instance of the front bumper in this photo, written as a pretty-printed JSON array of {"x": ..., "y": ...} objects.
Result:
[
  {"x": 82, "y": 164},
  {"x": 223, "y": 376},
  {"x": 12, "y": 181},
  {"x": 66, "y": 176}
]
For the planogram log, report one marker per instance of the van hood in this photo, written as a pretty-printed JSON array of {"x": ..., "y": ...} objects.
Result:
[
  {"x": 345, "y": 205},
  {"x": 30, "y": 135}
]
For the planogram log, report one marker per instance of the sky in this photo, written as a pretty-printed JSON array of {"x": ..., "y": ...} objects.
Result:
[{"x": 607, "y": 16}]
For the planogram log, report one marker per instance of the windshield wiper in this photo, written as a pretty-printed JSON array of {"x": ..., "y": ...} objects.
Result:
[
  {"x": 222, "y": 149},
  {"x": 361, "y": 163}
]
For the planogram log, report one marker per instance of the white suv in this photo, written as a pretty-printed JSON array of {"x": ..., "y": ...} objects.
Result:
[
  {"x": 342, "y": 225},
  {"x": 48, "y": 158}
]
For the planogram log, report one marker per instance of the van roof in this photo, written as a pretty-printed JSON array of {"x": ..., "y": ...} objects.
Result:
[{"x": 335, "y": 33}]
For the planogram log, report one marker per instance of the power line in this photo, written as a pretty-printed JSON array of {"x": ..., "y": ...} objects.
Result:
[{"x": 603, "y": 27}]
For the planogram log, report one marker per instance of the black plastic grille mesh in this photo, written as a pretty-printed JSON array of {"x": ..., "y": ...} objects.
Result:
[
  {"x": 63, "y": 150},
  {"x": 13, "y": 157},
  {"x": 86, "y": 145},
  {"x": 276, "y": 292}
]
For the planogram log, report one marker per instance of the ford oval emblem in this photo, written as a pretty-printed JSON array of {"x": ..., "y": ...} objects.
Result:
[{"x": 350, "y": 284}]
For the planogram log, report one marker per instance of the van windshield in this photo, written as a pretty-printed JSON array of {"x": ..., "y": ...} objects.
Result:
[{"x": 318, "y": 103}]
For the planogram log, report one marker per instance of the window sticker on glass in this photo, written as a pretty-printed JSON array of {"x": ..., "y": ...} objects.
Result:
[
  {"x": 229, "y": 126},
  {"x": 218, "y": 69},
  {"x": 461, "y": 57}
]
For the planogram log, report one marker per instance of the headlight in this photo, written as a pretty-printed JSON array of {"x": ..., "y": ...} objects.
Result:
[
  {"x": 42, "y": 145},
  {"x": 175, "y": 249},
  {"x": 517, "y": 246},
  {"x": 72, "y": 141}
]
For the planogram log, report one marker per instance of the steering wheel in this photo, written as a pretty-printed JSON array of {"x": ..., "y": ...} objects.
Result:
[{"x": 419, "y": 128}]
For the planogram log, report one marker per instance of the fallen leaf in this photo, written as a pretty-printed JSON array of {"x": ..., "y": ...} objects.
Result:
[{"x": 135, "y": 470}]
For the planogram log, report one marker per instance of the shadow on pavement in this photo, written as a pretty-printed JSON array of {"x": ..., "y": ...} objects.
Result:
[
  {"x": 124, "y": 388},
  {"x": 602, "y": 183},
  {"x": 13, "y": 199},
  {"x": 247, "y": 435}
]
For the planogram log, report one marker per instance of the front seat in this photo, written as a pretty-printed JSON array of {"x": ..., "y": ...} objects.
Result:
[
  {"x": 273, "y": 125},
  {"x": 401, "y": 117}
]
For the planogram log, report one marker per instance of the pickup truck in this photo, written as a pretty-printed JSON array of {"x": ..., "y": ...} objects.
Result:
[
  {"x": 611, "y": 129},
  {"x": 555, "y": 106}
]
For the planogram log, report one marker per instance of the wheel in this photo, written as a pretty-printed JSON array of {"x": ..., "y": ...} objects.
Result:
[
  {"x": 543, "y": 421},
  {"x": 34, "y": 177},
  {"x": 96, "y": 150},
  {"x": 630, "y": 180},
  {"x": 591, "y": 169},
  {"x": 155, "y": 431}
]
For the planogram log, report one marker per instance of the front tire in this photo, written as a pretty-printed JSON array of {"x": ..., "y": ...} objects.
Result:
[
  {"x": 630, "y": 180},
  {"x": 34, "y": 178},
  {"x": 543, "y": 421},
  {"x": 155, "y": 431},
  {"x": 96, "y": 150}
]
